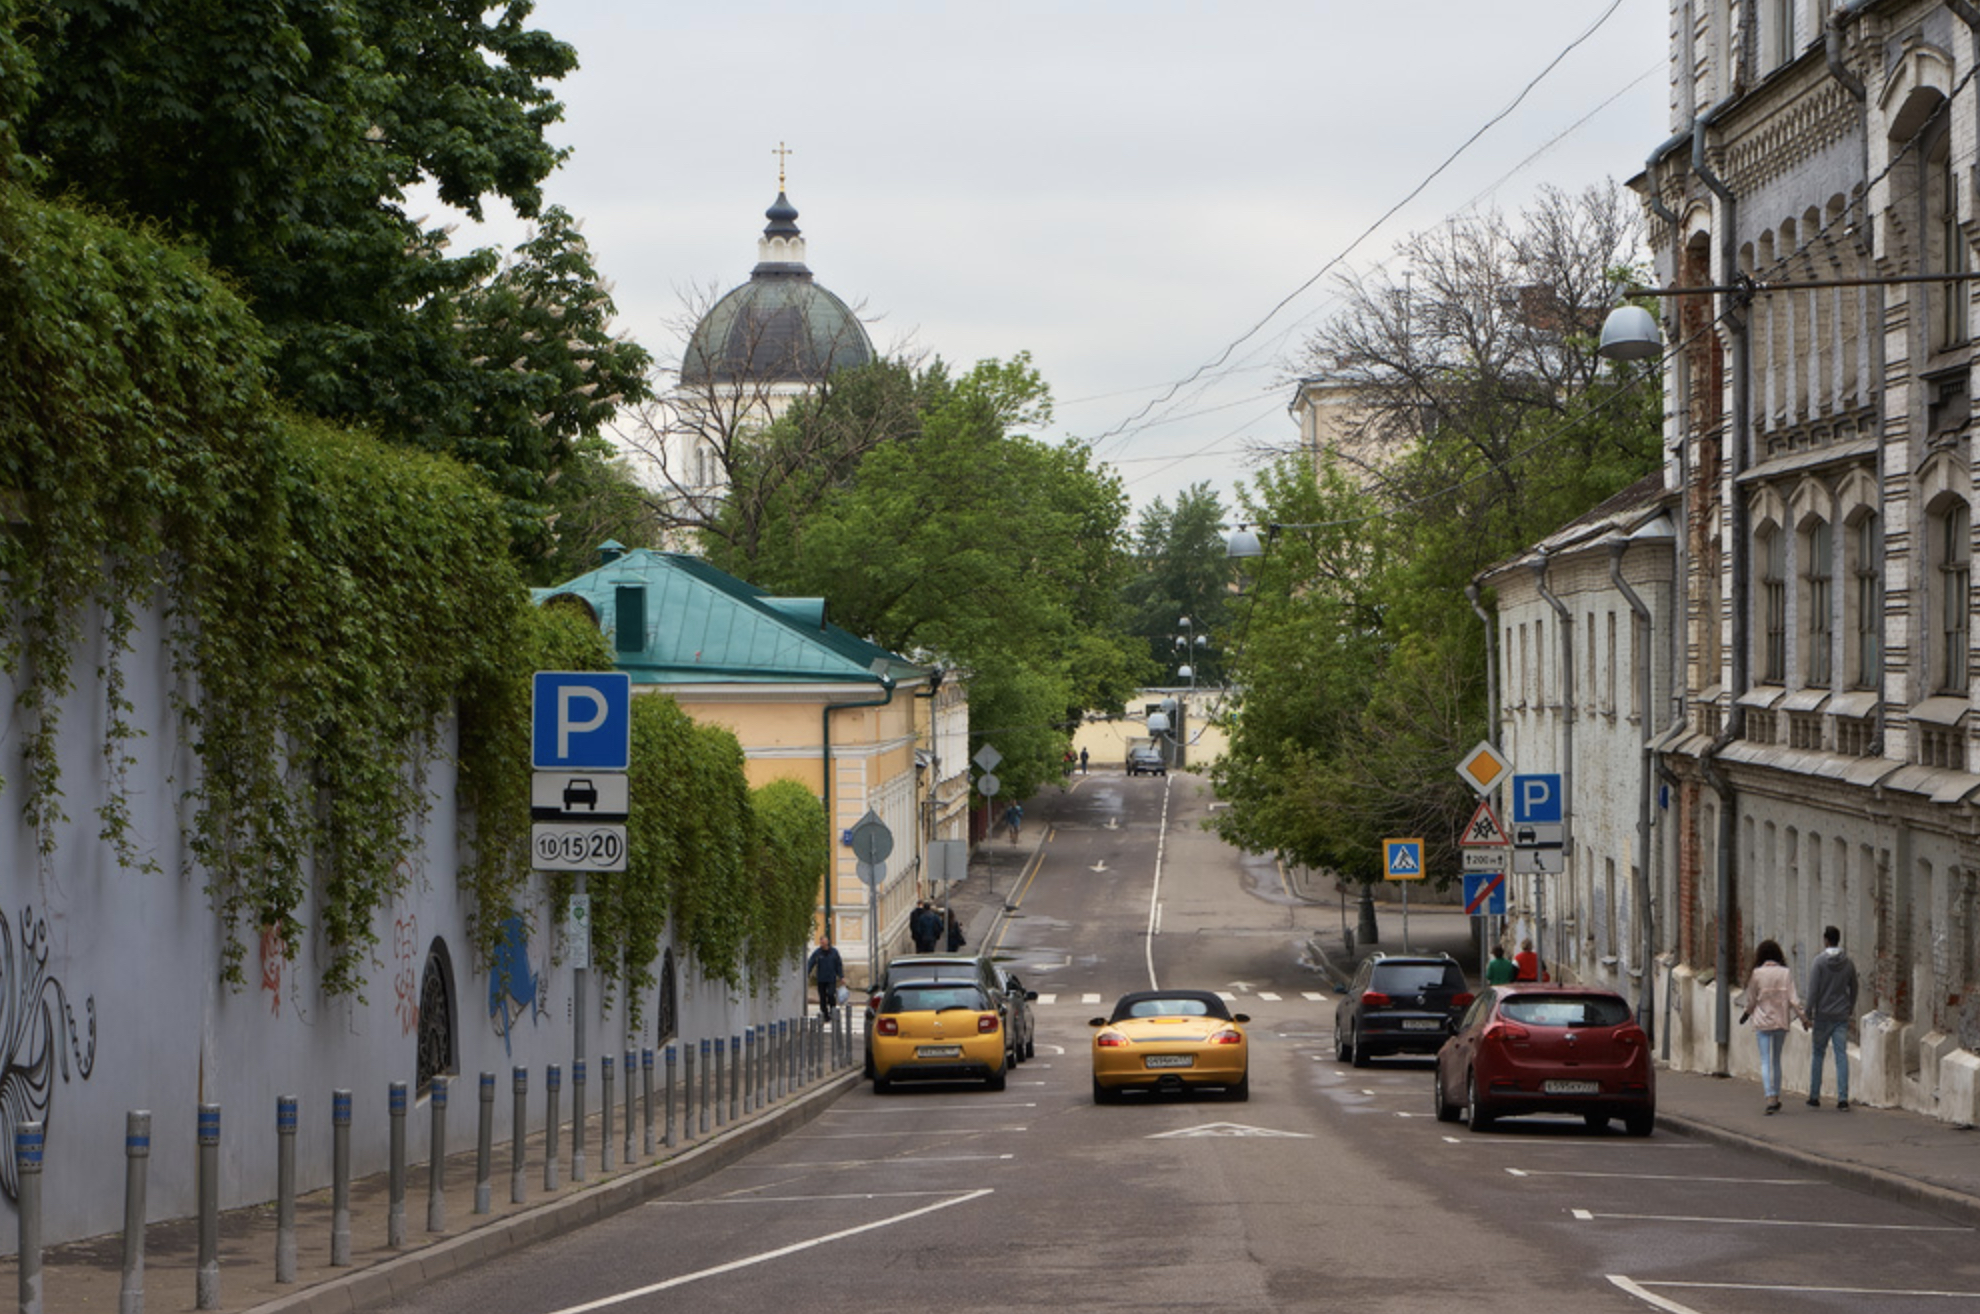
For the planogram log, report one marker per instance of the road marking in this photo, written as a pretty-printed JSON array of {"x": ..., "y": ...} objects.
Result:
[
  {"x": 1637, "y": 1289},
  {"x": 1089, "y": 999},
  {"x": 1313, "y": 995},
  {"x": 749, "y": 1261},
  {"x": 1048, "y": 999},
  {"x": 1268, "y": 996},
  {"x": 889, "y": 1161},
  {"x": 1666, "y": 1177},
  {"x": 1227, "y": 996},
  {"x": 901, "y": 1131},
  {"x": 1588, "y": 1216},
  {"x": 745, "y": 1197},
  {"x": 1227, "y": 1129},
  {"x": 1155, "y": 890},
  {"x": 998, "y": 1107}
]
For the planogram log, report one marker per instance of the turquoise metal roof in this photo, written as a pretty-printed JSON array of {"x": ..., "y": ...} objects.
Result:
[{"x": 705, "y": 626}]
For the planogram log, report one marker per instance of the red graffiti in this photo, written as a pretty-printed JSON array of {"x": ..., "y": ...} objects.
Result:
[{"x": 273, "y": 960}]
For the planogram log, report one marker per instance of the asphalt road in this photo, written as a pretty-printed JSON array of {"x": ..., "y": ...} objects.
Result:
[{"x": 1331, "y": 1188}]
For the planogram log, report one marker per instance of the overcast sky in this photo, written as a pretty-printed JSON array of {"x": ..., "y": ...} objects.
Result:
[{"x": 1122, "y": 189}]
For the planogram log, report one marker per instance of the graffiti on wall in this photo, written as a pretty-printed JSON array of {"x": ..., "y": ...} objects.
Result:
[
  {"x": 511, "y": 979},
  {"x": 38, "y": 1018},
  {"x": 405, "y": 971}
]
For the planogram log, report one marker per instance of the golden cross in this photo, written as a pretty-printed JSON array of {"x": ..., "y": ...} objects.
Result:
[{"x": 780, "y": 153}]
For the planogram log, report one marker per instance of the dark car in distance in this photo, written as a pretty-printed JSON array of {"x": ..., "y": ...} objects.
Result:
[
  {"x": 1545, "y": 1048},
  {"x": 1146, "y": 759},
  {"x": 1399, "y": 1004}
]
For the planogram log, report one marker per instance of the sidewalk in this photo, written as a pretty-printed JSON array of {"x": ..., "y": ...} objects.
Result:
[
  {"x": 86, "y": 1277},
  {"x": 1890, "y": 1153}
]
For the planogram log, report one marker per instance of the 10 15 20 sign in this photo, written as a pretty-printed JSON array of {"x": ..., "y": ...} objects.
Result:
[{"x": 578, "y": 846}]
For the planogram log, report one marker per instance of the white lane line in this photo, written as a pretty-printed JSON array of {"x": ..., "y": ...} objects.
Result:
[
  {"x": 1155, "y": 889},
  {"x": 1666, "y": 1177},
  {"x": 1587, "y": 1216},
  {"x": 901, "y": 1131},
  {"x": 746, "y": 1198},
  {"x": 796, "y": 1247},
  {"x": 891, "y": 1161},
  {"x": 1268, "y": 996},
  {"x": 1313, "y": 995},
  {"x": 998, "y": 1107},
  {"x": 1089, "y": 999},
  {"x": 1813, "y": 1291},
  {"x": 1655, "y": 1302},
  {"x": 1048, "y": 999}
]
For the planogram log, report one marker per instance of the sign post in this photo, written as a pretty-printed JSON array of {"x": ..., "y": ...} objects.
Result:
[
  {"x": 872, "y": 843},
  {"x": 1402, "y": 860},
  {"x": 1539, "y": 832}
]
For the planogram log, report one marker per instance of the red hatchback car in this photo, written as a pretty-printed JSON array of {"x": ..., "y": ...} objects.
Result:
[{"x": 1532, "y": 1048}]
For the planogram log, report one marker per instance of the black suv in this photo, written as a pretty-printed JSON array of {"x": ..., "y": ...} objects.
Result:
[{"x": 1399, "y": 1004}]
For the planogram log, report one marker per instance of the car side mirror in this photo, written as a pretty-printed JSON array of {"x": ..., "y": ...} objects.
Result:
[
  {"x": 1097, "y": 1022},
  {"x": 1240, "y": 1017}
]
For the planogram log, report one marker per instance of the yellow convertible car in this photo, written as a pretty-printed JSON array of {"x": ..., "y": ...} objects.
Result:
[{"x": 1170, "y": 1040}]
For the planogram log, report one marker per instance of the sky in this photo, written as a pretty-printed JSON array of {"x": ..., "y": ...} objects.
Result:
[{"x": 1125, "y": 190}]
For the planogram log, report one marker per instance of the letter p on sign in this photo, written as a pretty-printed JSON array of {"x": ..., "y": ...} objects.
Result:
[{"x": 581, "y": 721}]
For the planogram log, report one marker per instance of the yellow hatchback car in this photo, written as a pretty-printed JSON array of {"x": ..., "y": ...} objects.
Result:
[
  {"x": 938, "y": 1031},
  {"x": 1170, "y": 1040}
]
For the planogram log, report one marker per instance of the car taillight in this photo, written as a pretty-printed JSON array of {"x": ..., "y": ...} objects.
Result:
[
  {"x": 1632, "y": 1035},
  {"x": 1227, "y": 1037},
  {"x": 985, "y": 1023},
  {"x": 888, "y": 1026},
  {"x": 1374, "y": 999},
  {"x": 1110, "y": 1040},
  {"x": 1462, "y": 999},
  {"x": 873, "y": 1003},
  {"x": 1508, "y": 1031}
]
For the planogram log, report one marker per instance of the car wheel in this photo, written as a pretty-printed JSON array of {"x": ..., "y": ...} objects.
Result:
[
  {"x": 1640, "y": 1124},
  {"x": 1340, "y": 1044},
  {"x": 1359, "y": 1050},
  {"x": 1446, "y": 1111},
  {"x": 1104, "y": 1094},
  {"x": 1596, "y": 1121},
  {"x": 869, "y": 1065},
  {"x": 996, "y": 1081},
  {"x": 1031, "y": 1047},
  {"x": 881, "y": 1085},
  {"x": 1241, "y": 1092},
  {"x": 1476, "y": 1116}
]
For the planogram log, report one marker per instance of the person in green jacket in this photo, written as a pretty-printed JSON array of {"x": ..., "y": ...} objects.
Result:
[{"x": 1500, "y": 971}]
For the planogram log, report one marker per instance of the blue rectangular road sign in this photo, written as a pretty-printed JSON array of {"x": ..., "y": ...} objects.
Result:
[
  {"x": 1402, "y": 860},
  {"x": 1536, "y": 800},
  {"x": 581, "y": 721},
  {"x": 1485, "y": 893}
]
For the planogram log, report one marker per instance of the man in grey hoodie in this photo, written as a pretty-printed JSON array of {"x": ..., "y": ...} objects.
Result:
[{"x": 1831, "y": 1004}]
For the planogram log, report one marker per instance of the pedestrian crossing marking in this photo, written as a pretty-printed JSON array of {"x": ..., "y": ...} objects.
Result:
[
  {"x": 1313, "y": 995},
  {"x": 1048, "y": 999},
  {"x": 1227, "y": 996},
  {"x": 1268, "y": 996},
  {"x": 1089, "y": 999}
]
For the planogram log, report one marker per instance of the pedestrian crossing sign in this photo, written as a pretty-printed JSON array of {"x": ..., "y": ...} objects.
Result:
[{"x": 1402, "y": 859}]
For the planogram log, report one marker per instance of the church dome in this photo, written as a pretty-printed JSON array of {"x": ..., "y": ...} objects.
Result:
[{"x": 780, "y": 327}]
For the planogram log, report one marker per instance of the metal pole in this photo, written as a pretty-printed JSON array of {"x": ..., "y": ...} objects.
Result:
[
  {"x": 687, "y": 1089},
  {"x": 395, "y": 1209},
  {"x": 631, "y": 1060},
  {"x": 340, "y": 1178},
  {"x": 669, "y": 1083},
  {"x": 484, "y": 1148},
  {"x": 137, "y": 1163},
  {"x": 721, "y": 1044},
  {"x": 519, "y": 1141},
  {"x": 1405, "y": 903},
  {"x": 285, "y": 1188},
  {"x": 606, "y": 1072},
  {"x": 735, "y": 1077},
  {"x": 646, "y": 1098},
  {"x": 553, "y": 1084},
  {"x": 578, "y": 1171},
  {"x": 206, "y": 1278},
  {"x": 701, "y": 1104},
  {"x": 749, "y": 1069},
  {"x": 436, "y": 1163},
  {"x": 27, "y": 1168}
]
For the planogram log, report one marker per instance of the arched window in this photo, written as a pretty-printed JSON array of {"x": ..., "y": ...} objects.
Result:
[
  {"x": 1863, "y": 559},
  {"x": 1948, "y": 526},
  {"x": 1773, "y": 604},
  {"x": 1817, "y": 576},
  {"x": 667, "y": 1013},
  {"x": 437, "y": 1054}
]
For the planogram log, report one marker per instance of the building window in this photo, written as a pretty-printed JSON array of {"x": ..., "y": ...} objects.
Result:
[
  {"x": 435, "y": 1053},
  {"x": 1946, "y": 244},
  {"x": 1773, "y": 605},
  {"x": 1776, "y": 33},
  {"x": 1866, "y": 600},
  {"x": 1817, "y": 547},
  {"x": 1950, "y": 607}
]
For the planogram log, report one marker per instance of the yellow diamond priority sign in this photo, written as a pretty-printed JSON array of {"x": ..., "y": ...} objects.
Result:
[{"x": 1484, "y": 767}]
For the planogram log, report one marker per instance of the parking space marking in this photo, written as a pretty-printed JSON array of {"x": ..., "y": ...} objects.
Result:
[
  {"x": 1637, "y": 1288},
  {"x": 1665, "y": 1177},
  {"x": 1589, "y": 1216},
  {"x": 795, "y": 1247}
]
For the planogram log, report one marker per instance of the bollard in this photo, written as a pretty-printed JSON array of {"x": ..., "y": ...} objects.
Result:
[
  {"x": 787, "y": 1069},
  {"x": 578, "y": 1170},
  {"x": 484, "y": 1148},
  {"x": 751, "y": 1058},
  {"x": 519, "y": 1142},
  {"x": 395, "y": 1207},
  {"x": 436, "y": 1162},
  {"x": 687, "y": 1091},
  {"x": 631, "y": 1060},
  {"x": 735, "y": 1077},
  {"x": 838, "y": 1039},
  {"x": 605, "y": 1151},
  {"x": 285, "y": 1188},
  {"x": 553, "y": 1082},
  {"x": 27, "y": 1168},
  {"x": 721, "y": 1119},
  {"x": 137, "y": 1162},
  {"x": 701, "y": 1102},
  {"x": 669, "y": 1085},
  {"x": 340, "y": 1178},
  {"x": 206, "y": 1278},
  {"x": 646, "y": 1098}
]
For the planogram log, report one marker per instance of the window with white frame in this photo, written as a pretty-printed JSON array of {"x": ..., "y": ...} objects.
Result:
[
  {"x": 1863, "y": 550},
  {"x": 1777, "y": 44},
  {"x": 1948, "y": 525},
  {"x": 1773, "y": 604},
  {"x": 1818, "y": 574},
  {"x": 1946, "y": 250}
]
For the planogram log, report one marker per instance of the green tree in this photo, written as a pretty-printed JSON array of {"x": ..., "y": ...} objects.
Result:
[{"x": 1181, "y": 570}]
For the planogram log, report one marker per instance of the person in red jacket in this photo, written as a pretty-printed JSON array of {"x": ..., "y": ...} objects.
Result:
[{"x": 1528, "y": 963}]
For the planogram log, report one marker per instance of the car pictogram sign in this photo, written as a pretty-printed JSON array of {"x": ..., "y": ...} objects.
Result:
[{"x": 1484, "y": 830}]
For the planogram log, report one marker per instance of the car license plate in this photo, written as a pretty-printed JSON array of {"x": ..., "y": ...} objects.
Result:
[
  {"x": 1572, "y": 1087},
  {"x": 1170, "y": 1061},
  {"x": 1422, "y": 1024},
  {"x": 938, "y": 1051}
]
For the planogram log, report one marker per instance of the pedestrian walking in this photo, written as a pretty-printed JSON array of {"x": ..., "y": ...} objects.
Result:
[
  {"x": 1526, "y": 963},
  {"x": 1831, "y": 1004},
  {"x": 827, "y": 969},
  {"x": 1501, "y": 970},
  {"x": 924, "y": 927},
  {"x": 1013, "y": 819},
  {"x": 1771, "y": 1003},
  {"x": 1082, "y": 761},
  {"x": 956, "y": 940}
]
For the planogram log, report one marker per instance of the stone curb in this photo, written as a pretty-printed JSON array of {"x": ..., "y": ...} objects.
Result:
[{"x": 403, "y": 1277}]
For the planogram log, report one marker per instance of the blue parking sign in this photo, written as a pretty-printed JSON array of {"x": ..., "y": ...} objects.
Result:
[
  {"x": 581, "y": 721},
  {"x": 1536, "y": 800}
]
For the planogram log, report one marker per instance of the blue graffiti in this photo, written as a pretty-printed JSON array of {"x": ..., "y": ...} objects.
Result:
[{"x": 511, "y": 980}]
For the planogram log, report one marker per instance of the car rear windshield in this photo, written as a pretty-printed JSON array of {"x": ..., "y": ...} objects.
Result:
[
  {"x": 1416, "y": 978},
  {"x": 1178, "y": 1006},
  {"x": 933, "y": 996},
  {"x": 1565, "y": 1010}
]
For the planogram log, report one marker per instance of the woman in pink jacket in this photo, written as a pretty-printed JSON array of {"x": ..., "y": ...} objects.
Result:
[{"x": 1771, "y": 1003}]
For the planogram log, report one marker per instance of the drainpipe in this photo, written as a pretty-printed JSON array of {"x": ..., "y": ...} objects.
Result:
[
  {"x": 1491, "y": 666},
  {"x": 1647, "y": 989},
  {"x": 1735, "y": 319},
  {"x": 825, "y": 762},
  {"x": 1567, "y": 724}
]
